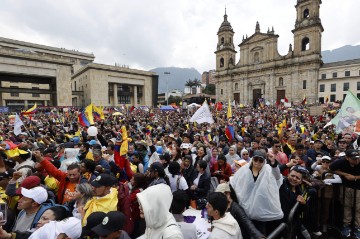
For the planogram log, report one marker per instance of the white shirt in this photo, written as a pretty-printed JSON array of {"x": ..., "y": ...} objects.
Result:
[{"x": 177, "y": 183}]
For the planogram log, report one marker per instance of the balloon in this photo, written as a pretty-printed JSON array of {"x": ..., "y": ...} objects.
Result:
[{"x": 92, "y": 131}]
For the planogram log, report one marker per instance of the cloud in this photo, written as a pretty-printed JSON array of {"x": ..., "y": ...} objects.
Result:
[{"x": 148, "y": 34}]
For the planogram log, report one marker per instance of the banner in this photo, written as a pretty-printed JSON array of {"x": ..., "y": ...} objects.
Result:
[
  {"x": 17, "y": 125},
  {"x": 202, "y": 115},
  {"x": 348, "y": 115}
]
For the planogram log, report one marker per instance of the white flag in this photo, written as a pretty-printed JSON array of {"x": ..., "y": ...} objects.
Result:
[
  {"x": 202, "y": 115},
  {"x": 17, "y": 125}
]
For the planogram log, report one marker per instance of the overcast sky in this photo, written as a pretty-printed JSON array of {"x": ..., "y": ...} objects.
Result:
[{"x": 145, "y": 34}]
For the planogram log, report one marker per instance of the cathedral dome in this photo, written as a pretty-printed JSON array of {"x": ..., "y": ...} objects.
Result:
[{"x": 225, "y": 25}]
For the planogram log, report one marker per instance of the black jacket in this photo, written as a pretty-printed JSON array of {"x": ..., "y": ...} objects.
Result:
[
  {"x": 189, "y": 175},
  {"x": 288, "y": 198},
  {"x": 248, "y": 230},
  {"x": 203, "y": 186}
]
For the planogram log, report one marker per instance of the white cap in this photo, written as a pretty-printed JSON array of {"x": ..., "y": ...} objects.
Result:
[
  {"x": 38, "y": 194},
  {"x": 70, "y": 226},
  {"x": 185, "y": 146}
]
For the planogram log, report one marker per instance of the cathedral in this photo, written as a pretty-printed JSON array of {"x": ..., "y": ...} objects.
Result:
[{"x": 261, "y": 71}]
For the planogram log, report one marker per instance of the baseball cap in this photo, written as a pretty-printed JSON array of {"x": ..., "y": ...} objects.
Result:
[
  {"x": 259, "y": 154},
  {"x": 326, "y": 158},
  {"x": 28, "y": 183},
  {"x": 157, "y": 166},
  {"x": 93, "y": 220},
  {"x": 92, "y": 142},
  {"x": 185, "y": 146},
  {"x": 38, "y": 194},
  {"x": 113, "y": 221},
  {"x": 103, "y": 179},
  {"x": 222, "y": 188},
  {"x": 352, "y": 153},
  {"x": 71, "y": 226}
]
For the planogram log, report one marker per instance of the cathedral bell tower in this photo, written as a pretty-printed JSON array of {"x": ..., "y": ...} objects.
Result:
[
  {"x": 225, "y": 50},
  {"x": 308, "y": 28}
]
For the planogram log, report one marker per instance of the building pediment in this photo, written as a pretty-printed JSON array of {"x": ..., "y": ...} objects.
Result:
[{"x": 257, "y": 37}]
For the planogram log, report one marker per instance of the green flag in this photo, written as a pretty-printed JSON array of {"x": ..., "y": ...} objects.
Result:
[{"x": 348, "y": 115}]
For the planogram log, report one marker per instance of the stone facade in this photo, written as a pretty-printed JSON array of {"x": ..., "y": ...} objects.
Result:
[
  {"x": 49, "y": 76},
  {"x": 261, "y": 71},
  {"x": 32, "y": 73},
  {"x": 106, "y": 85}
]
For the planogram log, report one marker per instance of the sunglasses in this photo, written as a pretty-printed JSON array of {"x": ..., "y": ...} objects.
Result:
[
  {"x": 326, "y": 161},
  {"x": 258, "y": 159},
  {"x": 277, "y": 146}
]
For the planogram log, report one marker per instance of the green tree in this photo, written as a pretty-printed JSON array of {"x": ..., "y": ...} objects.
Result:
[
  {"x": 209, "y": 89},
  {"x": 174, "y": 99}
]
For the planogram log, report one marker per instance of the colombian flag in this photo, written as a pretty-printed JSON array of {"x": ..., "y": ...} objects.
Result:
[
  {"x": 229, "y": 132},
  {"x": 30, "y": 111}
]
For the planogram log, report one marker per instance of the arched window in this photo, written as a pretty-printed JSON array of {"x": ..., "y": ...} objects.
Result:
[
  {"x": 306, "y": 13},
  {"x": 236, "y": 86},
  {"x": 222, "y": 62},
  {"x": 231, "y": 61},
  {"x": 222, "y": 91},
  {"x": 230, "y": 40},
  {"x": 222, "y": 40},
  {"x": 256, "y": 57},
  {"x": 305, "y": 44},
  {"x": 281, "y": 81}
]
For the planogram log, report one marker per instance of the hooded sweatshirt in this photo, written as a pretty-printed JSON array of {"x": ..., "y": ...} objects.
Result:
[
  {"x": 160, "y": 223},
  {"x": 225, "y": 228}
]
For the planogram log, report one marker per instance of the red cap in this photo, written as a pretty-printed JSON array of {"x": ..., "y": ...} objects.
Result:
[{"x": 28, "y": 183}]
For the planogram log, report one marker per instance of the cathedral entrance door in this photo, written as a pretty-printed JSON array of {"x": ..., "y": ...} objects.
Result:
[
  {"x": 237, "y": 98},
  {"x": 256, "y": 96},
  {"x": 280, "y": 95}
]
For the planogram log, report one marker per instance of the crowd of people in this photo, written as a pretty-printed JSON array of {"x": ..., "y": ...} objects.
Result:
[{"x": 134, "y": 174}]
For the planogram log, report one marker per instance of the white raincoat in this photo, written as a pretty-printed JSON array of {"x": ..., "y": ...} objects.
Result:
[
  {"x": 70, "y": 157},
  {"x": 260, "y": 199}
]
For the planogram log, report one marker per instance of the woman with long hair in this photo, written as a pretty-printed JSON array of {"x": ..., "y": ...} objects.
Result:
[
  {"x": 176, "y": 154},
  {"x": 83, "y": 193}
]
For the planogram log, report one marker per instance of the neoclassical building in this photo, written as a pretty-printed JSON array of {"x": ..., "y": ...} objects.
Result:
[
  {"x": 50, "y": 76},
  {"x": 261, "y": 71}
]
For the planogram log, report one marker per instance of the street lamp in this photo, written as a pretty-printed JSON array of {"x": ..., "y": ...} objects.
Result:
[{"x": 167, "y": 87}]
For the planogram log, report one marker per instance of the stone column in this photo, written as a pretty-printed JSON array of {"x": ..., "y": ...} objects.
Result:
[
  {"x": 135, "y": 95},
  {"x": 115, "y": 95}
]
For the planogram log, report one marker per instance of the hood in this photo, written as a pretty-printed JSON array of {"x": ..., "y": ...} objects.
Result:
[
  {"x": 227, "y": 224},
  {"x": 71, "y": 153},
  {"x": 156, "y": 201}
]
